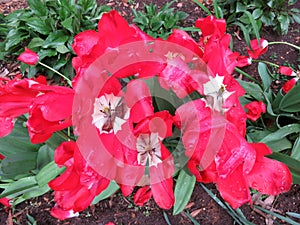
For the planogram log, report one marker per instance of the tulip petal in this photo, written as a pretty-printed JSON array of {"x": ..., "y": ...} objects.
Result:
[
  {"x": 286, "y": 71},
  {"x": 6, "y": 126},
  {"x": 257, "y": 49},
  {"x": 163, "y": 193},
  {"x": 62, "y": 214},
  {"x": 142, "y": 195},
  {"x": 269, "y": 176},
  {"x": 234, "y": 188},
  {"x": 289, "y": 84}
]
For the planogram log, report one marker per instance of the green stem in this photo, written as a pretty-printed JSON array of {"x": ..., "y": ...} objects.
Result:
[
  {"x": 63, "y": 135},
  {"x": 284, "y": 43},
  {"x": 246, "y": 75},
  {"x": 55, "y": 71},
  {"x": 203, "y": 7},
  {"x": 266, "y": 62}
]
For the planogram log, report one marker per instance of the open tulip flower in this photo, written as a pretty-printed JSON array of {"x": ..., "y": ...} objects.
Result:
[
  {"x": 132, "y": 119},
  {"x": 255, "y": 109},
  {"x": 257, "y": 48}
]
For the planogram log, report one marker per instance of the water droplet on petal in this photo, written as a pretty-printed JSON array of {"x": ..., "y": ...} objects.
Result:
[
  {"x": 282, "y": 188},
  {"x": 247, "y": 171}
]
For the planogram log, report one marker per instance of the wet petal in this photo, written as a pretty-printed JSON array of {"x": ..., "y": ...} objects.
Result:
[
  {"x": 269, "y": 176},
  {"x": 85, "y": 41},
  {"x": 234, "y": 188}
]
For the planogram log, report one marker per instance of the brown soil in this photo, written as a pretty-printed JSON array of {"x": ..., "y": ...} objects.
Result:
[{"x": 202, "y": 207}]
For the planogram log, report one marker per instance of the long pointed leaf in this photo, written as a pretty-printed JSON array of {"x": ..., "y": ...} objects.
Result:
[
  {"x": 254, "y": 25},
  {"x": 183, "y": 191}
]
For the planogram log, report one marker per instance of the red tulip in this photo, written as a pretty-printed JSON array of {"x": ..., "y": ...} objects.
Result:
[
  {"x": 16, "y": 97},
  {"x": 49, "y": 107},
  {"x": 257, "y": 49},
  {"x": 286, "y": 71},
  {"x": 76, "y": 188},
  {"x": 235, "y": 165},
  {"x": 210, "y": 26},
  {"x": 255, "y": 109},
  {"x": 113, "y": 31},
  {"x": 49, "y": 113},
  {"x": 29, "y": 57}
]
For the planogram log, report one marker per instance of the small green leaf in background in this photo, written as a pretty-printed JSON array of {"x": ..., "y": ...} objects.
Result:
[
  {"x": 31, "y": 220},
  {"x": 38, "y": 7},
  {"x": 183, "y": 191},
  {"x": 62, "y": 49},
  {"x": 252, "y": 89},
  {"x": 68, "y": 24},
  {"x": 257, "y": 13},
  {"x": 45, "y": 155},
  {"x": 284, "y": 22},
  {"x": 35, "y": 43},
  {"x": 38, "y": 25},
  {"x": 296, "y": 14},
  {"x": 265, "y": 75},
  {"x": 15, "y": 37},
  {"x": 55, "y": 39}
]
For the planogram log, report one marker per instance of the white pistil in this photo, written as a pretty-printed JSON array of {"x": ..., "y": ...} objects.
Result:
[
  {"x": 216, "y": 93},
  {"x": 110, "y": 113},
  {"x": 148, "y": 147}
]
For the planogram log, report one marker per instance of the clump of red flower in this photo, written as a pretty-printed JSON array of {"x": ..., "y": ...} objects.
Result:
[{"x": 134, "y": 131}]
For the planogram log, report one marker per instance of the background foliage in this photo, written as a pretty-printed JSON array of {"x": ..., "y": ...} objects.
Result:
[{"x": 48, "y": 27}]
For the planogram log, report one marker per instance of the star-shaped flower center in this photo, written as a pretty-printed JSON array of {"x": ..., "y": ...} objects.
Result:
[
  {"x": 110, "y": 113},
  {"x": 148, "y": 147},
  {"x": 215, "y": 93}
]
